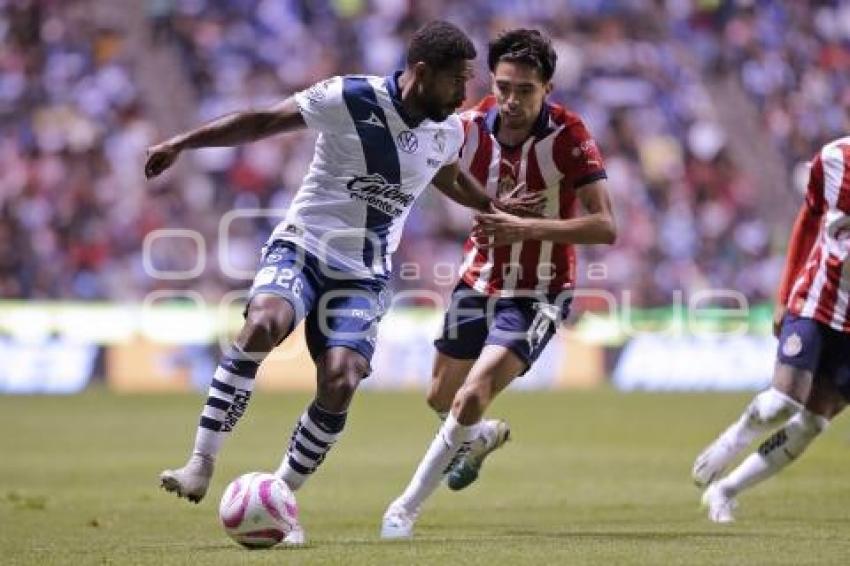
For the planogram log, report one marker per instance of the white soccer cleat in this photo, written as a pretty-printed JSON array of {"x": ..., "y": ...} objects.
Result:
[
  {"x": 720, "y": 504},
  {"x": 296, "y": 536},
  {"x": 192, "y": 480},
  {"x": 398, "y": 523},
  {"x": 713, "y": 461}
]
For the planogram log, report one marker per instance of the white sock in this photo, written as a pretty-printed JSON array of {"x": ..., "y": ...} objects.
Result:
[
  {"x": 451, "y": 441},
  {"x": 779, "y": 450},
  {"x": 767, "y": 410},
  {"x": 227, "y": 400}
]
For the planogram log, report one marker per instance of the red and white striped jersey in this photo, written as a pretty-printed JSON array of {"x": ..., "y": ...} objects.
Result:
[
  {"x": 558, "y": 157},
  {"x": 821, "y": 289}
]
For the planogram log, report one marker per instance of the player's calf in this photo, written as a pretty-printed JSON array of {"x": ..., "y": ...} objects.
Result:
[
  {"x": 768, "y": 409},
  {"x": 313, "y": 437},
  {"x": 340, "y": 373},
  {"x": 471, "y": 402},
  {"x": 447, "y": 377},
  {"x": 777, "y": 451}
]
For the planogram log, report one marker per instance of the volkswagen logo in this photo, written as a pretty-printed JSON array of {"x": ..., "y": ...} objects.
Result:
[{"x": 407, "y": 141}]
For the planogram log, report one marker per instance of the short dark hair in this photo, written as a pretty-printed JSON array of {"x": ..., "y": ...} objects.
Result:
[
  {"x": 527, "y": 46},
  {"x": 439, "y": 44}
]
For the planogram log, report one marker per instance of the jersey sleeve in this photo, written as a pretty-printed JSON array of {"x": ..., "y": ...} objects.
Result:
[
  {"x": 323, "y": 106},
  {"x": 815, "y": 187},
  {"x": 806, "y": 227},
  {"x": 577, "y": 156},
  {"x": 455, "y": 141}
]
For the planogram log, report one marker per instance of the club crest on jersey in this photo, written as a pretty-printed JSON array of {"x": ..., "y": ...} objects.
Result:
[
  {"x": 792, "y": 346},
  {"x": 407, "y": 141}
]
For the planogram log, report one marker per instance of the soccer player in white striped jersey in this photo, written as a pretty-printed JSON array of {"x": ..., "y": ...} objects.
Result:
[
  {"x": 811, "y": 381},
  {"x": 382, "y": 140},
  {"x": 518, "y": 273}
]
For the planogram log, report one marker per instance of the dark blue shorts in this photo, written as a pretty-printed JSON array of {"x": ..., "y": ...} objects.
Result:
[
  {"x": 339, "y": 310},
  {"x": 522, "y": 324},
  {"x": 808, "y": 344}
]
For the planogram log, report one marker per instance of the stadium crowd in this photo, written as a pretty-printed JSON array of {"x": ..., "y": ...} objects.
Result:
[{"x": 75, "y": 209}]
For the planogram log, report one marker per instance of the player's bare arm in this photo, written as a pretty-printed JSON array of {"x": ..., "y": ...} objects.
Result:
[
  {"x": 229, "y": 130},
  {"x": 461, "y": 188},
  {"x": 464, "y": 189},
  {"x": 596, "y": 226},
  {"x": 803, "y": 237}
]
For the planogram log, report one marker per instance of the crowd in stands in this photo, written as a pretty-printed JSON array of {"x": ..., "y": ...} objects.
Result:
[{"x": 75, "y": 209}]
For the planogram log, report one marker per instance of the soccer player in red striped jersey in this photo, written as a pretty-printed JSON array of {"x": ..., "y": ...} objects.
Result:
[
  {"x": 518, "y": 273},
  {"x": 811, "y": 382}
]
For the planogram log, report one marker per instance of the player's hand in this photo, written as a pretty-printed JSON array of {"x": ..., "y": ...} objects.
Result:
[
  {"x": 520, "y": 203},
  {"x": 778, "y": 315},
  {"x": 160, "y": 158},
  {"x": 498, "y": 229}
]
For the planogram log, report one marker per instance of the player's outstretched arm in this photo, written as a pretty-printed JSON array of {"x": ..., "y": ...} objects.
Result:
[
  {"x": 230, "y": 130},
  {"x": 596, "y": 226},
  {"x": 464, "y": 189}
]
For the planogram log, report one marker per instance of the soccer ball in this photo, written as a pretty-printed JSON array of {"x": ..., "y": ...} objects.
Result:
[{"x": 258, "y": 510}]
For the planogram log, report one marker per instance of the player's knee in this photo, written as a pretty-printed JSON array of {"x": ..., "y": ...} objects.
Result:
[
  {"x": 772, "y": 407},
  {"x": 267, "y": 323}
]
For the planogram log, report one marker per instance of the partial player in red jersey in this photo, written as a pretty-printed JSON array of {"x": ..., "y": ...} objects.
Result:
[
  {"x": 518, "y": 273},
  {"x": 811, "y": 382}
]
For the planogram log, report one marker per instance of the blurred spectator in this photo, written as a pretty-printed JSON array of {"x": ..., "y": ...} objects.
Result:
[{"x": 74, "y": 211}]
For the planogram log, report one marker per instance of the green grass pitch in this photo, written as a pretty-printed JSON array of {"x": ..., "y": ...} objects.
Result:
[{"x": 590, "y": 478}]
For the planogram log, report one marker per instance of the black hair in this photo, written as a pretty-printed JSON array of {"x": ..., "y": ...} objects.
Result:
[
  {"x": 439, "y": 44},
  {"x": 527, "y": 46}
]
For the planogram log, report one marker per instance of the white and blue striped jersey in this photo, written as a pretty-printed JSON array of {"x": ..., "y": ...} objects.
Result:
[{"x": 370, "y": 163}]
